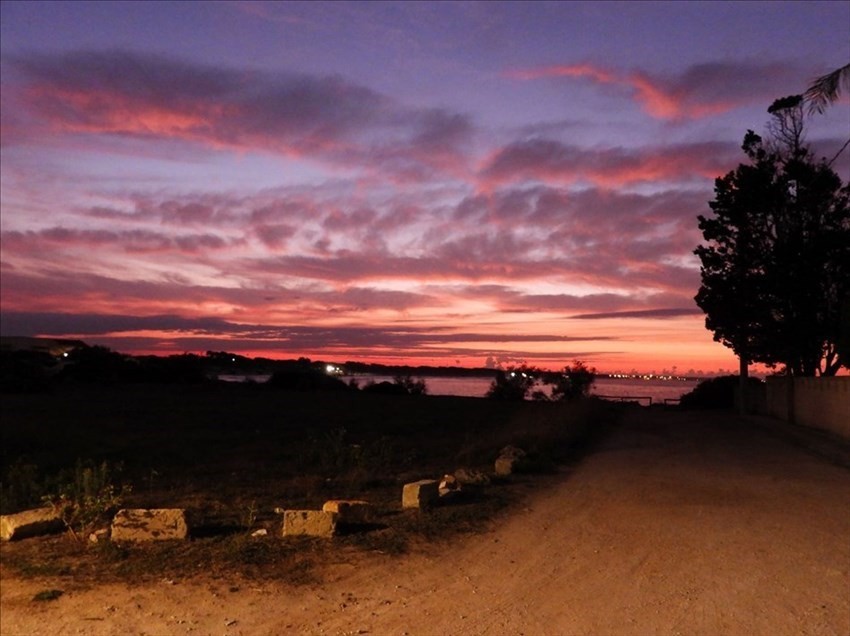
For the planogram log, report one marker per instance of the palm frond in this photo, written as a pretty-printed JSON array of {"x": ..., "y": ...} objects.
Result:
[{"x": 825, "y": 89}]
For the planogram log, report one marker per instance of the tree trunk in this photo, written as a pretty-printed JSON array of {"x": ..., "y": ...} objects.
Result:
[{"x": 743, "y": 402}]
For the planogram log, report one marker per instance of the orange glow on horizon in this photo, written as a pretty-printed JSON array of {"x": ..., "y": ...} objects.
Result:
[{"x": 707, "y": 359}]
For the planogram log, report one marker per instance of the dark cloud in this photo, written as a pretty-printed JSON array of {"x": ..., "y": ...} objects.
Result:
[
  {"x": 275, "y": 235},
  {"x": 327, "y": 118},
  {"x": 63, "y": 288},
  {"x": 672, "y": 312},
  {"x": 726, "y": 83},
  {"x": 241, "y": 336},
  {"x": 85, "y": 324},
  {"x": 548, "y": 160},
  {"x": 701, "y": 90},
  {"x": 137, "y": 240}
]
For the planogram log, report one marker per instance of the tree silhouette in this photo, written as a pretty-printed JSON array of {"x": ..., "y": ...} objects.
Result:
[{"x": 776, "y": 262}]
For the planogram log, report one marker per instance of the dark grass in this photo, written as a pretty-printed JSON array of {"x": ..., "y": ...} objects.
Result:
[{"x": 231, "y": 454}]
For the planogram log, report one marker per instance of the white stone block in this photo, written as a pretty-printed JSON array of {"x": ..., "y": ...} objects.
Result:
[
  {"x": 312, "y": 523},
  {"x": 506, "y": 465},
  {"x": 153, "y": 524},
  {"x": 349, "y": 510},
  {"x": 420, "y": 494},
  {"x": 29, "y": 523}
]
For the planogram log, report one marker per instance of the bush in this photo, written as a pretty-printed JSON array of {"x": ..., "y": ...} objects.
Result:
[
  {"x": 512, "y": 384},
  {"x": 25, "y": 371},
  {"x": 411, "y": 386},
  {"x": 306, "y": 379},
  {"x": 716, "y": 393},
  {"x": 87, "y": 497},
  {"x": 401, "y": 385},
  {"x": 99, "y": 365},
  {"x": 21, "y": 487},
  {"x": 574, "y": 382}
]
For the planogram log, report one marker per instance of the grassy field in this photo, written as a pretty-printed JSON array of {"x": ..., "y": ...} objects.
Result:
[{"x": 231, "y": 454}]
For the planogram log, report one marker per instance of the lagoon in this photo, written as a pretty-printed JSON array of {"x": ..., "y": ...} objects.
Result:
[
  {"x": 645, "y": 391},
  {"x": 619, "y": 388}
]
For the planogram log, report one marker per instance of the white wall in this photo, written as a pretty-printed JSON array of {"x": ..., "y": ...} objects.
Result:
[{"x": 822, "y": 403}]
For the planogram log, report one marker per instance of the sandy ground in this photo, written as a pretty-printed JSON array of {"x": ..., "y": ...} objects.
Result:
[{"x": 678, "y": 524}]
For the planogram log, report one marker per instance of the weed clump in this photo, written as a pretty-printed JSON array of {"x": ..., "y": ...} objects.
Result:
[{"x": 87, "y": 497}]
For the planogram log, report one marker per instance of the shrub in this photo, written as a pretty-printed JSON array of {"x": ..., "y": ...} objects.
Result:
[
  {"x": 87, "y": 497},
  {"x": 715, "y": 393},
  {"x": 574, "y": 382},
  {"x": 101, "y": 365},
  {"x": 306, "y": 379},
  {"x": 385, "y": 388},
  {"x": 411, "y": 386},
  {"x": 512, "y": 384},
  {"x": 21, "y": 487},
  {"x": 26, "y": 371},
  {"x": 401, "y": 385}
]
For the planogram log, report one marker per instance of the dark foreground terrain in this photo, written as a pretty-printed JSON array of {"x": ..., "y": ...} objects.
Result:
[
  {"x": 232, "y": 454},
  {"x": 676, "y": 523}
]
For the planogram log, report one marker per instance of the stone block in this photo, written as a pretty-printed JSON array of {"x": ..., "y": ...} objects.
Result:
[
  {"x": 312, "y": 523},
  {"x": 506, "y": 465},
  {"x": 349, "y": 510},
  {"x": 149, "y": 524},
  {"x": 29, "y": 523},
  {"x": 509, "y": 461},
  {"x": 471, "y": 477},
  {"x": 420, "y": 494}
]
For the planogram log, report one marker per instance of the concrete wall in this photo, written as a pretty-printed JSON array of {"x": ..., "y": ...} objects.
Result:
[{"x": 822, "y": 403}]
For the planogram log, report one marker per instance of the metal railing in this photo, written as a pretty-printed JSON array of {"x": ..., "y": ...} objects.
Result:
[
  {"x": 638, "y": 398},
  {"x": 627, "y": 398}
]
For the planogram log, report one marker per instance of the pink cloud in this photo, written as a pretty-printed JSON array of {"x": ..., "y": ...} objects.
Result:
[
  {"x": 299, "y": 267},
  {"x": 700, "y": 91},
  {"x": 325, "y": 119},
  {"x": 557, "y": 162},
  {"x": 129, "y": 241}
]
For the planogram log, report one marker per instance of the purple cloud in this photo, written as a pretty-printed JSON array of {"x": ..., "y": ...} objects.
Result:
[{"x": 327, "y": 118}]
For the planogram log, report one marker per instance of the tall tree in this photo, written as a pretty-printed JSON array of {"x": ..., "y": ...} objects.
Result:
[{"x": 776, "y": 262}]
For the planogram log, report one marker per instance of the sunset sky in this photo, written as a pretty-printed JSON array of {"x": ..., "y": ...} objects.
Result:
[{"x": 424, "y": 183}]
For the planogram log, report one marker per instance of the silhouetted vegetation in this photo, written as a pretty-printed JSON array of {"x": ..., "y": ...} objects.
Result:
[
  {"x": 513, "y": 384},
  {"x": 26, "y": 371},
  {"x": 574, "y": 382},
  {"x": 776, "y": 263},
  {"x": 401, "y": 385},
  {"x": 306, "y": 379},
  {"x": 416, "y": 371},
  {"x": 717, "y": 393},
  {"x": 87, "y": 497},
  {"x": 232, "y": 453},
  {"x": 826, "y": 89}
]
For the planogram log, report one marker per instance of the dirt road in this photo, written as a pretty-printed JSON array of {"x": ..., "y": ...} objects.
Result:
[{"x": 678, "y": 524}]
